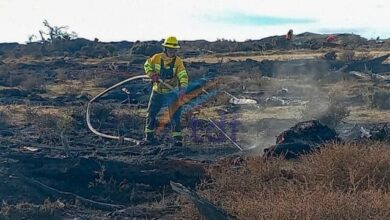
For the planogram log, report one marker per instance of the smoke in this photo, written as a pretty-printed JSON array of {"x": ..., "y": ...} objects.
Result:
[{"x": 294, "y": 94}]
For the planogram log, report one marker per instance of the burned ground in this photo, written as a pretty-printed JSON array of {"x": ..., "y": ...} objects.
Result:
[{"x": 56, "y": 168}]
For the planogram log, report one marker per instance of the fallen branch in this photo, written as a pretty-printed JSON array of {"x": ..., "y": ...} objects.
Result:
[
  {"x": 85, "y": 201},
  {"x": 206, "y": 209}
]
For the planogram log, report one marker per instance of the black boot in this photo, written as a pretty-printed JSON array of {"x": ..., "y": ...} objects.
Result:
[{"x": 150, "y": 139}]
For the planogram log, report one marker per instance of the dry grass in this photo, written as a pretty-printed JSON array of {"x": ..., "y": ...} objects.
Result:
[
  {"x": 347, "y": 55},
  {"x": 344, "y": 88},
  {"x": 75, "y": 87},
  {"x": 250, "y": 115},
  {"x": 364, "y": 114},
  {"x": 278, "y": 55},
  {"x": 19, "y": 115},
  {"x": 47, "y": 210},
  {"x": 342, "y": 181}
]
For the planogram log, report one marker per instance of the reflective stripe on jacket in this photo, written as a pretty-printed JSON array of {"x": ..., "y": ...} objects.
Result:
[{"x": 178, "y": 78}]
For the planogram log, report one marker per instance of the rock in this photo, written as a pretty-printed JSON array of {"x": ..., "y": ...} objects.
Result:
[
  {"x": 237, "y": 101},
  {"x": 359, "y": 132},
  {"x": 380, "y": 132},
  {"x": 300, "y": 139},
  {"x": 275, "y": 101}
]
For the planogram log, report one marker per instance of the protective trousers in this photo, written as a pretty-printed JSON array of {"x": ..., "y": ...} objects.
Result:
[{"x": 156, "y": 102}]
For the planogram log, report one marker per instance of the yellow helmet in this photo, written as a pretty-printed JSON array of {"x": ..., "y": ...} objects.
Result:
[{"x": 171, "y": 42}]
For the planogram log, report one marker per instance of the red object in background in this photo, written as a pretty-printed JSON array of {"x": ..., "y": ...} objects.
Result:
[{"x": 331, "y": 38}]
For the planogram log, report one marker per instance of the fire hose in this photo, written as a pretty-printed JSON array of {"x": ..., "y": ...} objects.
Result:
[
  {"x": 135, "y": 141},
  {"x": 88, "y": 114}
]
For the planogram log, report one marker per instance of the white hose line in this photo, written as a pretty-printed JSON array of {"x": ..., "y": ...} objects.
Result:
[{"x": 88, "y": 114}]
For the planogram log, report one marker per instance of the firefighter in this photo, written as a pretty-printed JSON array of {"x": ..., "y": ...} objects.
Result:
[{"x": 169, "y": 68}]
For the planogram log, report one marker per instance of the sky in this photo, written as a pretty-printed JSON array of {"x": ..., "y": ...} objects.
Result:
[{"x": 240, "y": 20}]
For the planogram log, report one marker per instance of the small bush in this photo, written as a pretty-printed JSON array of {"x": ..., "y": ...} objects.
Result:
[{"x": 146, "y": 48}]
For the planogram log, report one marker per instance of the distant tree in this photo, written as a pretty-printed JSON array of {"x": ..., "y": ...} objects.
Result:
[{"x": 53, "y": 33}]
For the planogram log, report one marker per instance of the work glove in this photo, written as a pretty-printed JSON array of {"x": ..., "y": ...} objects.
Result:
[
  {"x": 154, "y": 76},
  {"x": 182, "y": 93}
]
